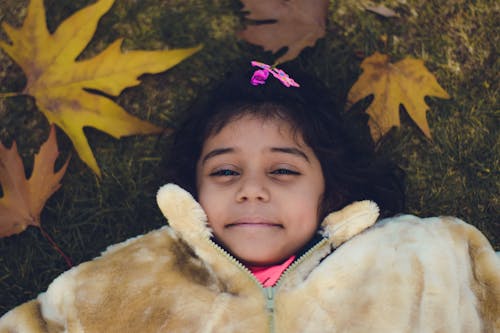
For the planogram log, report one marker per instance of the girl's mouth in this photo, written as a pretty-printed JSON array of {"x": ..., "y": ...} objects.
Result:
[{"x": 254, "y": 223}]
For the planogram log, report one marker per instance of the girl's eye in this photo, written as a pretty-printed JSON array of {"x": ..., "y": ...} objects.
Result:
[
  {"x": 224, "y": 173},
  {"x": 283, "y": 171}
]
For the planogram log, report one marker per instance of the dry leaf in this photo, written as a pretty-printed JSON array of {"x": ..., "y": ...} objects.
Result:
[
  {"x": 406, "y": 82},
  {"x": 298, "y": 24},
  {"x": 57, "y": 82},
  {"x": 382, "y": 11},
  {"x": 23, "y": 200}
]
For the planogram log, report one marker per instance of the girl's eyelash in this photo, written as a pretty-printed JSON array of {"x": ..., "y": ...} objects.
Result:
[
  {"x": 229, "y": 172},
  {"x": 224, "y": 172},
  {"x": 283, "y": 171}
]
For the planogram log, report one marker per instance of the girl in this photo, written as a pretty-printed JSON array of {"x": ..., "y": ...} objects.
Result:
[{"x": 276, "y": 231}]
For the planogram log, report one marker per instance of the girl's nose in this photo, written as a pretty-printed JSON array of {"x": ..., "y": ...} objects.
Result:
[{"x": 253, "y": 188}]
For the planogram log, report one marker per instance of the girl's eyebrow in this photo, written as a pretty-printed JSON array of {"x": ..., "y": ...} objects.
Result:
[
  {"x": 216, "y": 152},
  {"x": 286, "y": 150},
  {"x": 290, "y": 150}
]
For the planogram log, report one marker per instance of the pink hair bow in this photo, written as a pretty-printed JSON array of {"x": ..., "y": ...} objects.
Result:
[{"x": 260, "y": 76}]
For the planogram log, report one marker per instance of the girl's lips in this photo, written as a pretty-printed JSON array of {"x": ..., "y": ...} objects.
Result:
[
  {"x": 250, "y": 224},
  {"x": 253, "y": 222}
]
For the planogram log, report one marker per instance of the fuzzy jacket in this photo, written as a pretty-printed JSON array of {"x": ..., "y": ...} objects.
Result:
[{"x": 402, "y": 274}]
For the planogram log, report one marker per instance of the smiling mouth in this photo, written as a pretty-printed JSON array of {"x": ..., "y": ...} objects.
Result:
[{"x": 255, "y": 225}]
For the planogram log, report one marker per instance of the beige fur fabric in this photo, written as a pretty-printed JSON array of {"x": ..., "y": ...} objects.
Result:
[{"x": 403, "y": 274}]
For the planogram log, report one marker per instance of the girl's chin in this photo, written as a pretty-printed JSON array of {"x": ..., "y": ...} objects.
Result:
[{"x": 258, "y": 251}]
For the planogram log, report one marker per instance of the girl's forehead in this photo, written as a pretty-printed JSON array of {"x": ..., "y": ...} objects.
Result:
[{"x": 275, "y": 122}]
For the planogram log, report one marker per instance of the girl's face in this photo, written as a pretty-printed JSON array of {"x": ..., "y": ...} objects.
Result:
[{"x": 261, "y": 188}]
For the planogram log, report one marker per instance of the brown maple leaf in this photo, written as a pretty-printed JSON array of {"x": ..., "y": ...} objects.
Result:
[
  {"x": 295, "y": 24},
  {"x": 406, "y": 82},
  {"x": 23, "y": 200},
  {"x": 60, "y": 85}
]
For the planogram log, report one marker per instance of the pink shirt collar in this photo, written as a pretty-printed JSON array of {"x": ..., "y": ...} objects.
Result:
[{"x": 269, "y": 275}]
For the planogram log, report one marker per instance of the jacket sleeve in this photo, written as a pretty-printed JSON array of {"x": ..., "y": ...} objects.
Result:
[
  {"x": 72, "y": 300},
  {"x": 485, "y": 267},
  {"x": 27, "y": 318},
  {"x": 51, "y": 312}
]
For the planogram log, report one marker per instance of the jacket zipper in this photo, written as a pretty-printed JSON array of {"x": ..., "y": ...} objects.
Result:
[
  {"x": 269, "y": 292},
  {"x": 301, "y": 259}
]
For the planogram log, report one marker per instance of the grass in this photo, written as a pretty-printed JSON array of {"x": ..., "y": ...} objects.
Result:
[{"x": 457, "y": 173}]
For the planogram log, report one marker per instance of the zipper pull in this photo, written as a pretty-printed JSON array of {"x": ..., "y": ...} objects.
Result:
[{"x": 270, "y": 299}]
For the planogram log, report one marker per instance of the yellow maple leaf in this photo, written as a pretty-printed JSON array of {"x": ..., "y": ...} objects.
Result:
[
  {"x": 58, "y": 82},
  {"x": 406, "y": 82}
]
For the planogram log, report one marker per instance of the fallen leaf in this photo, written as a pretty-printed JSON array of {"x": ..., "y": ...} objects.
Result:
[
  {"x": 406, "y": 82},
  {"x": 382, "y": 11},
  {"x": 295, "y": 24},
  {"x": 23, "y": 200},
  {"x": 59, "y": 83}
]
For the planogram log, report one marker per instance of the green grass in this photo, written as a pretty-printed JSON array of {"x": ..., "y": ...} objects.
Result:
[{"x": 457, "y": 173}]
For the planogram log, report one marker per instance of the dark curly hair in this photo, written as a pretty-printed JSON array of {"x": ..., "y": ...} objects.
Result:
[{"x": 351, "y": 172}]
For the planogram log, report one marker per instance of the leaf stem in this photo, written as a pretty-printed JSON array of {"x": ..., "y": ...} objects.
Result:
[
  {"x": 54, "y": 245},
  {"x": 11, "y": 94}
]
